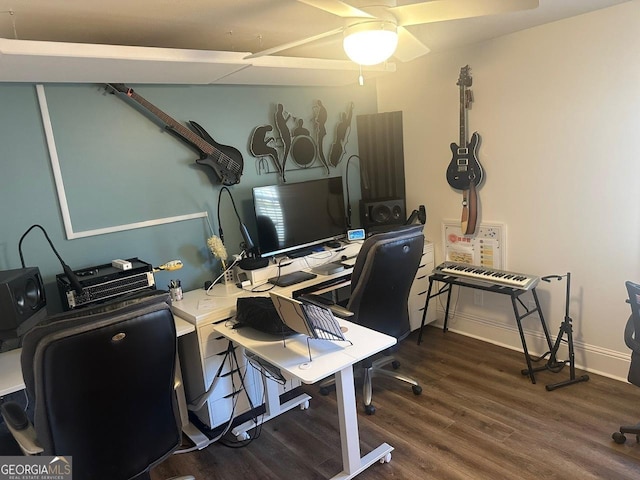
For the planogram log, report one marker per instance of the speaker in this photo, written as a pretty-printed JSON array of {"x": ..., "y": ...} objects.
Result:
[
  {"x": 22, "y": 301},
  {"x": 380, "y": 213}
]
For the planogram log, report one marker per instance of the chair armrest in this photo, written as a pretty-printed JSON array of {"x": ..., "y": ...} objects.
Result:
[
  {"x": 341, "y": 312},
  {"x": 336, "y": 309},
  {"x": 630, "y": 335},
  {"x": 20, "y": 428}
]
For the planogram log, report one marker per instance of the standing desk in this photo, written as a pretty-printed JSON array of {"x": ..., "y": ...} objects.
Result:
[{"x": 291, "y": 357}]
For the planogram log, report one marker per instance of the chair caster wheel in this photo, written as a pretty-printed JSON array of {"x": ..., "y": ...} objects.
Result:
[
  {"x": 417, "y": 389},
  {"x": 324, "y": 391},
  {"x": 241, "y": 437},
  {"x": 395, "y": 364},
  {"x": 304, "y": 405},
  {"x": 386, "y": 458},
  {"x": 369, "y": 409},
  {"x": 619, "y": 438}
]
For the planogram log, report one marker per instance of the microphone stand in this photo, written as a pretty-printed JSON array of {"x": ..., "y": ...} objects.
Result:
[
  {"x": 565, "y": 328},
  {"x": 253, "y": 261}
]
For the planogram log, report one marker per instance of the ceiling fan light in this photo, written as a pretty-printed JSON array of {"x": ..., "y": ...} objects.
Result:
[{"x": 370, "y": 43}]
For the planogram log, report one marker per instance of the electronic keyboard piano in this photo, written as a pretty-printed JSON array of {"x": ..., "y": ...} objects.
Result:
[{"x": 487, "y": 275}]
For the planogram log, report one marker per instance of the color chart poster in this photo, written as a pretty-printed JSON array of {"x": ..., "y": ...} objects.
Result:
[{"x": 487, "y": 248}]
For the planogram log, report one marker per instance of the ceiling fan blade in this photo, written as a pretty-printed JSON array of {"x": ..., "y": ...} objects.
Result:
[
  {"x": 409, "y": 47},
  {"x": 442, "y": 10},
  {"x": 338, "y": 8},
  {"x": 295, "y": 43}
]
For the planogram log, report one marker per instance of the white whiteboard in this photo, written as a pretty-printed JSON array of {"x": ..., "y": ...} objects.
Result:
[{"x": 62, "y": 196}]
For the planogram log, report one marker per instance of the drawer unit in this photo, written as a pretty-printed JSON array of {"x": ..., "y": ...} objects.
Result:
[{"x": 202, "y": 356}]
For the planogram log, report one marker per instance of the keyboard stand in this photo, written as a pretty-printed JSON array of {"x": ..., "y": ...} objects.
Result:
[{"x": 520, "y": 310}]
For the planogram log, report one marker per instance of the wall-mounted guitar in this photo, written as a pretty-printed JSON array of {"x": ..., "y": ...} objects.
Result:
[
  {"x": 226, "y": 161},
  {"x": 464, "y": 171}
]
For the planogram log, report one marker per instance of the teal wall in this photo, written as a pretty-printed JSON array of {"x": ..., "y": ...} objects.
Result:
[{"x": 120, "y": 167}]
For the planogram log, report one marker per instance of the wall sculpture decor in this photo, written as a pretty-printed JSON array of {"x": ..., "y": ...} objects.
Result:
[{"x": 290, "y": 139}]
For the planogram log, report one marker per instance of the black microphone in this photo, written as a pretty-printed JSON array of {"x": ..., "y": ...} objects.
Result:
[{"x": 73, "y": 278}]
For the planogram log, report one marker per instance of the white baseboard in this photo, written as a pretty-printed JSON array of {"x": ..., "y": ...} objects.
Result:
[{"x": 592, "y": 358}]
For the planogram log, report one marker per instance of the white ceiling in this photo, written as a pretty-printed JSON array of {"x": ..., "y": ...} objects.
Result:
[{"x": 212, "y": 26}]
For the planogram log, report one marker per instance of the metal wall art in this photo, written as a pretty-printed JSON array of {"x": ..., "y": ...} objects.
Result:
[{"x": 290, "y": 139}]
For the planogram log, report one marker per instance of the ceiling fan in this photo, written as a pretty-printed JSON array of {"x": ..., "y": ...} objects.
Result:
[{"x": 367, "y": 20}]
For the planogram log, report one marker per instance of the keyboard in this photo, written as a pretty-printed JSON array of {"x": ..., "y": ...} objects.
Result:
[
  {"x": 291, "y": 278},
  {"x": 521, "y": 281}
]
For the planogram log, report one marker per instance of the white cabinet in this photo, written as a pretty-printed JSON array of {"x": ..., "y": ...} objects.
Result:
[
  {"x": 418, "y": 294},
  {"x": 207, "y": 356}
]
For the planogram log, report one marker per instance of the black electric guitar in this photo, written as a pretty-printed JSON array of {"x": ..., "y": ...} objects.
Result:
[
  {"x": 226, "y": 161},
  {"x": 464, "y": 167}
]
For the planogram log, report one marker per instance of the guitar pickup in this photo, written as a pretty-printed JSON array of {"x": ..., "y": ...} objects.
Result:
[{"x": 463, "y": 151}]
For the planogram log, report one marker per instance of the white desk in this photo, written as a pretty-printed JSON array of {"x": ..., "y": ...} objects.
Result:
[
  {"x": 292, "y": 358},
  {"x": 202, "y": 354}
]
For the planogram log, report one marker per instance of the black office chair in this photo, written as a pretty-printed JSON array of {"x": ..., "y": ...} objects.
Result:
[
  {"x": 103, "y": 385},
  {"x": 380, "y": 283},
  {"x": 631, "y": 338}
]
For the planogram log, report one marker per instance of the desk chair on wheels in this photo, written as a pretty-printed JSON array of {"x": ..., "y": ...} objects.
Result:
[
  {"x": 103, "y": 385},
  {"x": 632, "y": 339},
  {"x": 380, "y": 284}
]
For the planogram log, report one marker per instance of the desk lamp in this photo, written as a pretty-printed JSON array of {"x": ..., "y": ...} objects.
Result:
[{"x": 73, "y": 279}]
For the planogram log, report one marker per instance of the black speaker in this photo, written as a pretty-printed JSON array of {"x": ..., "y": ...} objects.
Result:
[
  {"x": 380, "y": 213},
  {"x": 22, "y": 301}
]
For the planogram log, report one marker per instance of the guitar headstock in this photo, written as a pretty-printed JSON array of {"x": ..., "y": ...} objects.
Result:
[{"x": 465, "y": 80}]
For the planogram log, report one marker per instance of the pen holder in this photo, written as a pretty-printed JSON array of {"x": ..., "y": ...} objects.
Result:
[
  {"x": 228, "y": 278},
  {"x": 176, "y": 294}
]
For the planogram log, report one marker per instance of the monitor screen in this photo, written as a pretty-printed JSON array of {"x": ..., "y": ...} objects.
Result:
[{"x": 298, "y": 216}]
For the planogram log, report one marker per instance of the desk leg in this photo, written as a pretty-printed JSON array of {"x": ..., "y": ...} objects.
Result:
[
  {"x": 352, "y": 463},
  {"x": 273, "y": 408}
]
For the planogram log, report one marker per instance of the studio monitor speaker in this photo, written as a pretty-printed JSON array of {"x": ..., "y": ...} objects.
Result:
[
  {"x": 22, "y": 301},
  {"x": 380, "y": 213}
]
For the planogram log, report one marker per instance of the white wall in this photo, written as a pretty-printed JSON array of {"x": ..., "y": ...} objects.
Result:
[{"x": 558, "y": 110}]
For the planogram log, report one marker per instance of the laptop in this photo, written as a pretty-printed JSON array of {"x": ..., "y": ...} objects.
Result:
[{"x": 312, "y": 319}]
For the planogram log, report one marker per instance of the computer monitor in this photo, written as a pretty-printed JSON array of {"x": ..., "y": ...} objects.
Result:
[{"x": 294, "y": 217}]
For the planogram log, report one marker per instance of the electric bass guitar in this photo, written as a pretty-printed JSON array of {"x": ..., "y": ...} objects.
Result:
[
  {"x": 464, "y": 167},
  {"x": 226, "y": 161}
]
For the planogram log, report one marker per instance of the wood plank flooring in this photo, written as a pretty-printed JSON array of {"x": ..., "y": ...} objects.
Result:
[{"x": 477, "y": 418}]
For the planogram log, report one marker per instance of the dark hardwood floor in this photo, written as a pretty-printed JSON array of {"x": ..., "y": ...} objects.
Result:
[{"x": 477, "y": 418}]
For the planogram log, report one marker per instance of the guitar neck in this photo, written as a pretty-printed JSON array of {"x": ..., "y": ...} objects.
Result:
[
  {"x": 181, "y": 130},
  {"x": 463, "y": 118}
]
